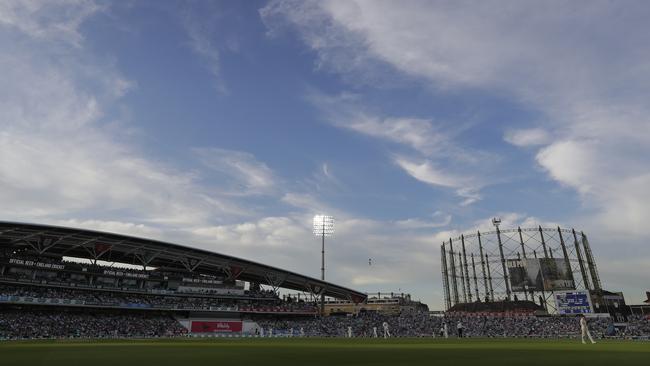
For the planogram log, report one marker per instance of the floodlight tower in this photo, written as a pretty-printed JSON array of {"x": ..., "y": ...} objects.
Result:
[
  {"x": 323, "y": 226},
  {"x": 496, "y": 221}
]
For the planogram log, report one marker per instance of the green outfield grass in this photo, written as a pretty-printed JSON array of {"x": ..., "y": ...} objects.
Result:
[{"x": 313, "y": 352}]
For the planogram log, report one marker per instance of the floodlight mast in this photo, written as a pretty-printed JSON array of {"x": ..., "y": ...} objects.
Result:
[
  {"x": 323, "y": 226},
  {"x": 496, "y": 221}
]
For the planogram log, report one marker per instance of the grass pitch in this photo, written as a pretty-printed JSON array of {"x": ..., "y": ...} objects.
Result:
[{"x": 314, "y": 352}]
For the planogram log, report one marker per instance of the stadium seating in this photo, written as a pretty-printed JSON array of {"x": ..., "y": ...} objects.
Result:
[
  {"x": 420, "y": 324},
  {"x": 46, "y": 295},
  {"x": 50, "y": 298},
  {"x": 35, "y": 324}
]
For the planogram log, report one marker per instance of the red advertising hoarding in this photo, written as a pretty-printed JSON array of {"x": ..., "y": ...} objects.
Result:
[{"x": 216, "y": 327}]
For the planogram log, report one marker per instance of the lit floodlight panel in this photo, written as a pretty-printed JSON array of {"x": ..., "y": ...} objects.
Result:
[{"x": 323, "y": 225}]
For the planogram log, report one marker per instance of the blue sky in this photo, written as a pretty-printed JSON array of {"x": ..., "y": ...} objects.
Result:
[{"x": 228, "y": 125}]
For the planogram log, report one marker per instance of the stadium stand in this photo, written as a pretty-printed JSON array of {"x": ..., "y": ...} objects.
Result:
[
  {"x": 65, "y": 323},
  {"x": 54, "y": 285},
  {"x": 420, "y": 324}
]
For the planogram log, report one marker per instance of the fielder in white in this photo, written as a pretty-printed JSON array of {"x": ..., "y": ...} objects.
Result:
[
  {"x": 585, "y": 330},
  {"x": 374, "y": 332},
  {"x": 349, "y": 332},
  {"x": 386, "y": 330}
]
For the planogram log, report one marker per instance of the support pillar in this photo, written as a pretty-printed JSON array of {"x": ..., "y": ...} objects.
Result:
[
  {"x": 489, "y": 278},
  {"x": 462, "y": 277},
  {"x": 583, "y": 270},
  {"x": 445, "y": 276},
  {"x": 506, "y": 278},
  {"x": 565, "y": 253},
  {"x": 483, "y": 260},
  {"x": 469, "y": 287},
  {"x": 523, "y": 253},
  {"x": 521, "y": 242},
  {"x": 525, "y": 292},
  {"x": 478, "y": 298},
  {"x": 595, "y": 278},
  {"x": 541, "y": 235},
  {"x": 454, "y": 282}
]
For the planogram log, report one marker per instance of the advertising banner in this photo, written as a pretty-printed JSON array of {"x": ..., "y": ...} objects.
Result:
[
  {"x": 216, "y": 327},
  {"x": 557, "y": 274},
  {"x": 36, "y": 264},
  {"x": 537, "y": 274},
  {"x": 40, "y": 300},
  {"x": 573, "y": 302},
  {"x": 519, "y": 280}
]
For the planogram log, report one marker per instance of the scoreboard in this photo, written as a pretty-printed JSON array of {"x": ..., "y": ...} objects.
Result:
[{"x": 573, "y": 302}]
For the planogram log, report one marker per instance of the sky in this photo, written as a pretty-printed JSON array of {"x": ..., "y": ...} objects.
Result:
[{"x": 226, "y": 125}]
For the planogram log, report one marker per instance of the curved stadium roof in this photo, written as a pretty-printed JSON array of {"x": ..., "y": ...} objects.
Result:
[{"x": 82, "y": 243}]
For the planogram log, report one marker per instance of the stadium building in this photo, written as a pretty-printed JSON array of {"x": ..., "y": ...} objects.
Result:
[
  {"x": 383, "y": 303},
  {"x": 541, "y": 270},
  {"x": 58, "y": 282},
  {"x": 51, "y": 276}
]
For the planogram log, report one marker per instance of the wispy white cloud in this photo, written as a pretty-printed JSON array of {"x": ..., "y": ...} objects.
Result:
[
  {"x": 250, "y": 175},
  {"x": 527, "y": 137},
  {"x": 426, "y": 172},
  {"x": 590, "y": 82},
  {"x": 311, "y": 204},
  {"x": 346, "y": 111},
  {"x": 45, "y": 20},
  {"x": 111, "y": 226},
  {"x": 434, "y": 142},
  {"x": 62, "y": 163},
  {"x": 59, "y": 156},
  {"x": 414, "y": 132},
  {"x": 615, "y": 186},
  {"x": 200, "y": 27},
  {"x": 582, "y": 69},
  {"x": 437, "y": 220},
  {"x": 570, "y": 162},
  {"x": 327, "y": 173},
  {"x": 266, "y": 232},
  {"x": 585, "y": 71}
]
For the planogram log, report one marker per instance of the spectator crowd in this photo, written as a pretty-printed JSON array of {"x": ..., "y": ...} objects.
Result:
[
  {"x": 421, "y": 324},
  {"x": 131, "y": 300},
  {"x": 30, "y": 324},
  {"x": 25, "y": 323}
]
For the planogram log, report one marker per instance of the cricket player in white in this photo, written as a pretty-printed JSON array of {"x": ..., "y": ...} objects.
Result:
[
  {"x": 446, "y": 331},
  {"x": 349, "y": 332},
  {"x": 374, "y": 332},
  {"x": 302, "y": 331},
  {"x": 585, "y": 330},
  {"x": 386, "y": 330}
]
